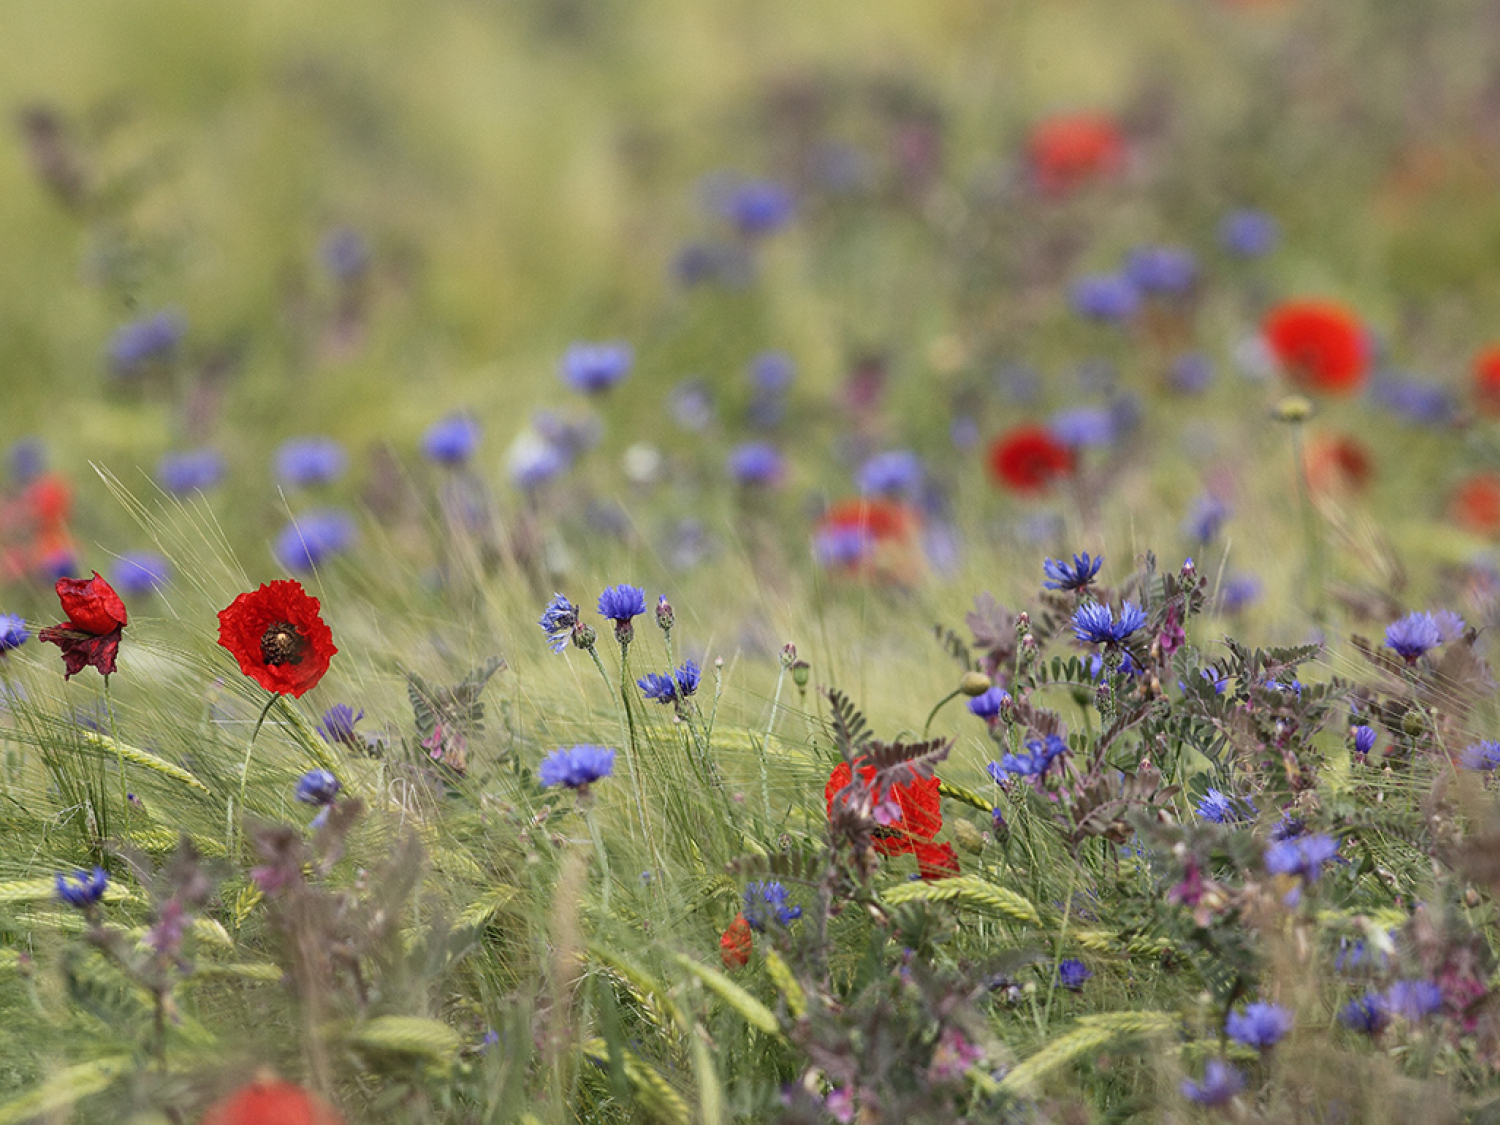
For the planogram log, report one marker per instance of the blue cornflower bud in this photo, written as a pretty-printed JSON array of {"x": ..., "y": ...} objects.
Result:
[
  {"x": 83, "y": 889},
  {"x": 1364, "y": 740},
  {"x": 1077, "y": 576}
]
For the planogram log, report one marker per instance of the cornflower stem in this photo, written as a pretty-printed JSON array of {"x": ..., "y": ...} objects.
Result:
[
  {"x": 1312, "y": 540},
  {"x": 1062, "y": 935},
  {"x": 114, "y": 736},
  {"x": 627, "y": 732},
  {"x": 765, "y": 741},
  {"x": 585, "y": 806},
  {"x": 938, "y": 706}
]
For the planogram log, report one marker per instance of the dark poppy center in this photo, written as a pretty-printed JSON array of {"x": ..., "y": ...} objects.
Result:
[{"x": 282, "y": 643}]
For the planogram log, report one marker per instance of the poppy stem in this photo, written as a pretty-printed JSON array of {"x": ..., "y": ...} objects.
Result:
[
  {"x": 1311, "y": 538},
  {"x": 114, "y": 736},
  {"x": 249, "y": 750},
  {"x": 938, "y": 706}
]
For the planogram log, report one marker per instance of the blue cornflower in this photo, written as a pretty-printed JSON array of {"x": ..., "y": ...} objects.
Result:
[
  {"x": 1222, "y": 808},
  {"x": 141, "y": 343},
  {"x": 764, "y": 901},
  {"x": 451, "y": 441},
  {"x": 1413, "y": 1000},
  {"x": 1105, "y": 297},
  {"x": 688, "y": 677},
  {"x": 654, "y": 685},
  {"x": 1248, "y": 234},
  {"x": 1288, "y": 827},
  {"x": 313, "y": 538},
  {"x": 754, "y": 207},
  {"x": 13, "y": 632},
  {"x": 691, "y": 404},
  {"x": 621, "y": 603},
  {"x": 533, "y": 460},
  {"x": 337, "y": 724},
  {"x": 577, "y": 767},
  {"x": 1484, "y": 755},
  {"x": 594, "y": 368},
  {"x": 1035, "y": 762},
  {"x": 772, "y": 372},
  {"x": 1358, "y": 957},
  {"x": 1205, "y": 519},
  {"x": 1071, "y": 973},
  {"x": 345, "y": 253},
  {"x": 1415, "y": 400},
  {"x": 1191, "y": 373},
  {"x": 1081, "y": 426},
  {"x": 1367, "y": 1015},
  {"x": 27, "y": 459},
  {"x": 558, "y": 620},
  {"x": 1075, "y": 577},
  {"x": 1364, "y": 740},
  {"x": 1413, "y": 635},
  {"x": 192, "y": 470},
  {"x": 989, "y": 703},
  {"x": 1238, "y": 592},
  {"x": 1095, "y": 624},
  {"x": 140, "y": 573},
  {"x": 896, "y": 473},
  {"x": 306, "y": 461},
  {"x": 84, "y": 888},
  {"x": 1260, "y": 1025},
  {"x": 1167, "y": 271},
  {"x": 1450, "y": 625},
  {"x": 755, "y": 463},
  {"x": 1302, "y": 855},
  {"x": 841, "y": 546},
  {"x": 1216, "y": 679},
  {"x": 318, "y": 787},
  {"x": 1221, "y": 1082}
]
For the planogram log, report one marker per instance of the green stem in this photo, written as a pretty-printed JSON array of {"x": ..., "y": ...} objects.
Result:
[
  {"x": 1312, "y": 541},
  {"x": 626, "y": 737},
  {"x": 765, "y": 775},
  {"x": 250, "y": 750},
  {"x": 938, "y": 706},
  {"x": 114, "y": 736},
  {"x": 588, "y": 815}
]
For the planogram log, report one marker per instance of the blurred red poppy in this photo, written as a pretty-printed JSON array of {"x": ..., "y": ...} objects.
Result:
[
  {"x": 91, "y": 635},
  {"x": 1027, "y": 459},
  {"x": 735, "y": 944},
  {"x": 910, "y": 813},
  {"x": 871, "y": 536},
  {"x": 1487, "y": 381},
  {"x": 278, "y": 636},
  {"x": 1337, "y": 463},
  {"x": 1320, "y": 345},
  {"x": 1475, "y": 504},
  {"x": 271, "y": 1102},
  {"x": 1068, "y": 150},
  {"x": 936, "y": 861}
]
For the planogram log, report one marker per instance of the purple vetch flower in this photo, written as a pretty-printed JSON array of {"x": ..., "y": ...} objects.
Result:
[
  {"x": 451, "y": 441},
  {"x": 1094, "y": 623},
  {"x": 1412, "y": 636},
  {"x": 577, "y": 767},
  {"x": 193, "y": 470},
  {"x": 1260, "y": 1025},
  {"x": 83, "y": 889},
  {"x": 1072, "y": 973},
  {"x": 1221, "y": 1082}
]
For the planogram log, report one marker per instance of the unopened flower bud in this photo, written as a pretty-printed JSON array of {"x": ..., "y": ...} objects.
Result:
[
  {"x": 584, "y": 635},
  {"x": 664, "y": 616},
  {"x": 788, "y": 654},
  {"x": 1412, "y": 722},
  {"x": 625, "y": 631},
  {"x": 968, "y": 837},
  {"x": 1293, "y": 408},
  {"x": 801, "y": 670},
  {"x": 1189, "y": 570},
  {"x": 974, "y": 684}
]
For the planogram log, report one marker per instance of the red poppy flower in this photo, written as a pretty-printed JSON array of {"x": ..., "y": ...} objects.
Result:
[
  {"x": 870, "y": 536},
  {"x": 1475, "y": 504},
  {"x": 917, "y": 813},
  {"x": 1337, "y": 463},
  {"x": 936, "y": 861},
  {"x": 91, "y": 636},
  {"x": 1320, "y": 345},
  {"x": 735, "y": 944},
  {"x": 278, "y": 637},
  {"x": 1027, "y": 459},
  {"x": 1487, "y": 381},
  {"x": 270, "y": 1101},
  {"x": 1068, "y": 150}
]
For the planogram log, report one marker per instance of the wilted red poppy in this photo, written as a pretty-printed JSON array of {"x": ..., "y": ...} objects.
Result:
[
  {"x": 91, "y": 636},
  {"x": 1320, "y": 345},
  {"x": 909, "y": 812},
  {"x": 278, "y": 637},
  {"x": 1336, "y": 462},
  {"x": 271, "y": 1102},
  {"x": 936, "y": 861},
  {"x": 1070, "y": 149},
  {"x": 735, "y": 944},
  {"x": 1027, "y": 459},
  {"x": 1475, "y": 504},
  {"x": 1487, "y": 380}
]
